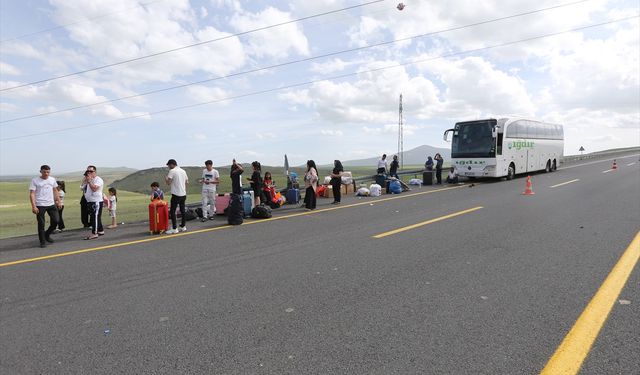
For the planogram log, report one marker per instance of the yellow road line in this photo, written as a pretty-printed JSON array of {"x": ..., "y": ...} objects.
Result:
[
  {"x": 576, "y": 345},
  {"x": 395, "y": 231},
  {"x": 167, "y": 237},
  {"x": 565, "y": 183}
]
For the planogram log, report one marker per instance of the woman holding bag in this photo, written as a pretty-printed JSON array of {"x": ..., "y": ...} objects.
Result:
[{"x": 311, "y": 184}]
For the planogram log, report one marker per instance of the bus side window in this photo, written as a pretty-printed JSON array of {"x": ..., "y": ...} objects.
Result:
[{"x": 499, "y": 148}]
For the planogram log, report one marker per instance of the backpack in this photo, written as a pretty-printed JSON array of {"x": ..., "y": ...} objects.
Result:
[
  {"x": 235, "y": 210},
  {"x": 261, "y": 212}
]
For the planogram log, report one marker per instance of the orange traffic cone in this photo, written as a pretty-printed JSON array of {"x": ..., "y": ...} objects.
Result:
[
  {"x": 615, "y": 165},
  {"x": 527, "y": 190}
]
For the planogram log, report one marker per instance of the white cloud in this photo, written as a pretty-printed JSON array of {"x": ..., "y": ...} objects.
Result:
[
  {"x": 277, "y": 42},
  {"x": 8, "y": 69},
  {"x": 7, "y": 107},
  {"x": 332, "y": 133},
  {"x": 206, "y": 94}
]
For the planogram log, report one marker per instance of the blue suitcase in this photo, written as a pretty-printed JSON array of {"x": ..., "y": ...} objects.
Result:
[
  {"x": 247, "y": 202},
  {"x": 293, "y": 196}
]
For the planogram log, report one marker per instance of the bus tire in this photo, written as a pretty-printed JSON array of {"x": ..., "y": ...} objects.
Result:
[
  {"x": 511, "y": 173},
  {"x": 547, "y": 168},
  {"x": 554, "y": 166}
]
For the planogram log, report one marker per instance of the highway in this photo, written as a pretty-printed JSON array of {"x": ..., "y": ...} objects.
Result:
[{"x": 468, "y": 279}]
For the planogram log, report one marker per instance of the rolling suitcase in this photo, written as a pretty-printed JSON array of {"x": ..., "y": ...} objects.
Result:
[
  {"x": 158, "y": 217},
  {"x": 248, "y": 202},
  {"x": 222, "y": 202},
  {"x": 293, "y": 196}
]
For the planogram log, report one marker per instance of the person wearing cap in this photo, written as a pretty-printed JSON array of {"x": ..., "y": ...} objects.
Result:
[
  {"x": 178, "y": 180},
  {"x": 210, "y": 179}
]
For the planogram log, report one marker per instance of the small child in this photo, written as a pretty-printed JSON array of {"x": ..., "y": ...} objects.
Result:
[
  {"x": 61, "y": 193},
  {"x": 113, "y": 200},
  {"x": 156, "y": 193}
]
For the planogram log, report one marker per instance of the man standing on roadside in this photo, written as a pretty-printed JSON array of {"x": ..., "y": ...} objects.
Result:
[
  {"x": 439, "y": 161},
  {"x": 210, "y": 179},
  {"x": 43, "y": 194},
  {"x": 92, "y": 186},
  {"x": 178, "y": 180},
  {"x": 382, "y": 165}
]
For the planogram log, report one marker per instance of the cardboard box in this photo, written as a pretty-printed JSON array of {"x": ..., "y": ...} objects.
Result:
[
  {"x": 348, "y": 189},
  {"x": 328, "y": 192}
]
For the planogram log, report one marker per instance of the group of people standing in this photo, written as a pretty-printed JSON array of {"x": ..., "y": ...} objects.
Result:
[
  {"x": 429, "y": 166},
  {"x": 47, "y": 197}
]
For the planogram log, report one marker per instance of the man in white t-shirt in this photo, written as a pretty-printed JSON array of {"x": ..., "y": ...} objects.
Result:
[
  {"x": 210, "y": 179},
  {"x": 178, "y": 180},
  {"x": 382, "y": 164},
  {"x": 92, "y": 186},
  {"x": 43, "y": 194}
]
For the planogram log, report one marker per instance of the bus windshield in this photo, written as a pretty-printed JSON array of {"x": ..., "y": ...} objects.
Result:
[{"x": 474, "y": 139}]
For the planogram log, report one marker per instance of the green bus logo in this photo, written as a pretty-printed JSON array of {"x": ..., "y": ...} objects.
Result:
[{"x": 519, "y": 145}]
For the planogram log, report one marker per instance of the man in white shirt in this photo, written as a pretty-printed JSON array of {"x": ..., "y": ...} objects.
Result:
[
  {"x": 43, "y": 194},
  {"x": 178, "y": 180},
  {"x": 210, "y": 179},
  {"x": 92, "y": 186},
  {"x": 382, "y": 164}
]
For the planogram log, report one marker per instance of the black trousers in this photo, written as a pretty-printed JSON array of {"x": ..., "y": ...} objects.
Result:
[
  {"x": 95, "y": 216},
  {"x": 53, "y": 221},
  {"x": 336, "y": 185},
  {"x": 310, "y": 198},
  {"x": 439, "y": 175},
  {"x": 60, "y": 220},
  {"x": 84, "y": 212},
  {"x": 175, "y": 202}
]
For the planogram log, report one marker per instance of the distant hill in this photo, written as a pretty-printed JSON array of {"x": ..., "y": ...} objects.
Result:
[
  {"x": 108, "y": 174},
  {"x": 416, "y": 156}
]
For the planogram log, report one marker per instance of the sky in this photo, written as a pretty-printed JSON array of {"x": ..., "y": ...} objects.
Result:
[{"x": 149, "y": 80}]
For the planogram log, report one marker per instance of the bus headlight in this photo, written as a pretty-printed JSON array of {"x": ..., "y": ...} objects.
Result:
[{"x": 490, "y": 168}]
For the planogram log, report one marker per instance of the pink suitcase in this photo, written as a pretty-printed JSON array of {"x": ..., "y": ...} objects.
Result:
[{"x": 222, "y": 202}]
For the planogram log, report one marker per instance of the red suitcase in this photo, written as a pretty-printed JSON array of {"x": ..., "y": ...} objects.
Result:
[
  {"x": 158, "y": 217},
  {"x": 222, "y": 202}
]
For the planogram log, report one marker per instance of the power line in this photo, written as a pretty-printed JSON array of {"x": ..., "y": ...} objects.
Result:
[
  {"x": 294, "y": 62},
  {"x": 76, "y": 22},
  {"x": 187, "y": 46},
  {"x": 453, "y": 54}
]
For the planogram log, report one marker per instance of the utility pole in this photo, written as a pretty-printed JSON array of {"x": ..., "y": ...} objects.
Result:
[{"x": 400, "y": 135}]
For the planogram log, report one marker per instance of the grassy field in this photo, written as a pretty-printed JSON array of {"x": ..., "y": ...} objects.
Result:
[{"x": 16, "y": 218}]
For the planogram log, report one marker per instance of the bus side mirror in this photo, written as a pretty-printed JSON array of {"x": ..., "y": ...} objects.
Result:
[
  {"x": 446, "y": 134},
  {"x": 494, "y": 132}
]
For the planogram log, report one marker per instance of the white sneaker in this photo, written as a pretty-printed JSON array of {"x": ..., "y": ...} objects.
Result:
[
  {"x": 171, "y": 231},
  {"x": 182, "y": 229}
]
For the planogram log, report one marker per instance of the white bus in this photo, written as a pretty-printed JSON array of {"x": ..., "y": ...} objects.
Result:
[{"x": 505, "y": 147}]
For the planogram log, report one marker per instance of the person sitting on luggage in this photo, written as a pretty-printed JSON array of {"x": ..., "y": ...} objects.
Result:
[
  {"x": 156, "y": 193},
  {"x": 269, "y": 187},
  {"x": 452, "y": 178}
]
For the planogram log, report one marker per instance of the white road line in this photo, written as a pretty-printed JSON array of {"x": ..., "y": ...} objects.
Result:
[
  {"x": 630, "y": 164},
  {"x": 565, "y": 183},
  {"x": 608, "y": 170},
  {"x": 598, "y": 161}
]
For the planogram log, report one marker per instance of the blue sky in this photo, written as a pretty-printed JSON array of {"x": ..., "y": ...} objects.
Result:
[{"x": 588, "y": 80}]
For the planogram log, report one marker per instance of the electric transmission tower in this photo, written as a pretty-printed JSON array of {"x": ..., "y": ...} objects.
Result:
[{"x": 400, "y": 135}]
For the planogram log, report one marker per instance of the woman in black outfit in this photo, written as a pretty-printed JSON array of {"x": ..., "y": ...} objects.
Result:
[
  {"x": 256, "y": 182},
  {"x": 336, "y": 181},
  {"x": 236, "y": 171}
]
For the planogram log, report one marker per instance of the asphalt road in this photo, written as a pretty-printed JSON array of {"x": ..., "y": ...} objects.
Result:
[{"x": 488, "y": 291}]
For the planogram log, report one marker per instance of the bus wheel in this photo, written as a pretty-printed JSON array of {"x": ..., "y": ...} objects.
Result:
[
  {"x": 547, "y": 168},
  {"x": 512, "y": 172},
  {"x": 554, "y": 167}
]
